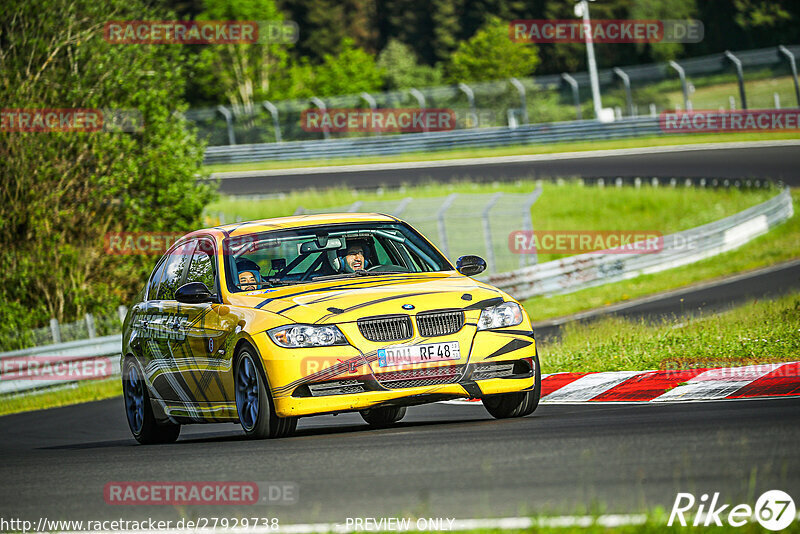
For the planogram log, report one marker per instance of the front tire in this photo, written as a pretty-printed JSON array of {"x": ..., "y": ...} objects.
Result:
[
  {"x": 253, "y": 403},
  {"x": 383, "y": 417},
  {"x": 517, "y": 404},
  {"x": 139, "y": 412}
]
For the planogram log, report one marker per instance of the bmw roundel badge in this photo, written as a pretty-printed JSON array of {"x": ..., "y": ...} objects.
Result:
[{"x": 408, "y": 306}]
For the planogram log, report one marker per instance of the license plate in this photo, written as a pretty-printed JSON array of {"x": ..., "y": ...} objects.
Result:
[{"x": 430, "y": 352}]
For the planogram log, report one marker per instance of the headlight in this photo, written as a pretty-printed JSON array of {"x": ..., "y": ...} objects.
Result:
[
  {"x": 302, "y": 335},
  {"x": 505, "y": 314}
]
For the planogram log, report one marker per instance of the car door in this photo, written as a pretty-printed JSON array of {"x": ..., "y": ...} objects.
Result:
[
  {"x": 164, "y": 327},
  {"x": 205, "y": 358}
]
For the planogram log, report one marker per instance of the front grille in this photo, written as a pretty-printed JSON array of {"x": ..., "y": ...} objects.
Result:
[
  {"x": 441, "y": 323},
  {"x": 429, "y": 376},
  {"x": 386, "y": 328}
]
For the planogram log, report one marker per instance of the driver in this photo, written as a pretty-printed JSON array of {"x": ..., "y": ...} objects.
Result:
[{"x": 355, "y": 256}]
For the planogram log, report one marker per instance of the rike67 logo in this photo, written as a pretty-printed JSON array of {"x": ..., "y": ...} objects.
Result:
[{"x": 774, "y": 510}]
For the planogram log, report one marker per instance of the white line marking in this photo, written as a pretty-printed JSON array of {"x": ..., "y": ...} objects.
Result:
[{"x": 502, "y": 159}]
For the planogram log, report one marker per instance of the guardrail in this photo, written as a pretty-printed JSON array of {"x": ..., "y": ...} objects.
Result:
[
  {"x": 593, "y": 269},
  {"x": 509, "y": 102},
  {"x": 51, "y": 365},
  {"x": 552, "y": 132}
]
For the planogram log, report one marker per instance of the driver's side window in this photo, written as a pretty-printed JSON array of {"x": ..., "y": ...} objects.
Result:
[
  {"x": 174, "y": 266},
  {"x": 202, "y": 267}
]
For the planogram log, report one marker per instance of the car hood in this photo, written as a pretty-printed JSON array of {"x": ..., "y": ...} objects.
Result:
[{"x": 348, "y": 299}]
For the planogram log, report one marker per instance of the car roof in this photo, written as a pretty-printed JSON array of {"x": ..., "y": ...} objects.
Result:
[{"x": 299, "y": 221}]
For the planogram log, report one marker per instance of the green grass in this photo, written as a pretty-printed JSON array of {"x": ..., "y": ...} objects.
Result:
[
  {"x": 518, "y": 150},
  {"x": 779, "y": 244},
  {"x": 759, "y": 94},
  {"x": 757, "y": 332},
  {"x": 571, "y": 206},
  {"x": 76, "y": 393}
]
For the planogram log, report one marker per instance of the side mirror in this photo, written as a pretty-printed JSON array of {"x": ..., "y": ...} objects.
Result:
[
  {"x": 193, "y": 293},
  {"x": 470, "y": 265}
]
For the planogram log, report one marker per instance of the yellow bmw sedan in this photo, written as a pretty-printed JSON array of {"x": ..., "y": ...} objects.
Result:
[{"x": 263, "y": 322}]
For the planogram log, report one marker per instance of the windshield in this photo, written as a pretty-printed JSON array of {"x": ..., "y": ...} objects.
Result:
[{"x": 301, "y": 255}]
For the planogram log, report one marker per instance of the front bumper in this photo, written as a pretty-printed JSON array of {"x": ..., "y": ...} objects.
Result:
[{"x": 327, "y": 380}]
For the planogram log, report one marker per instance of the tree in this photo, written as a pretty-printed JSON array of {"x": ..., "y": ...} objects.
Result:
[
  {"x": 62, "y": 192},
  {"x": 399, "y": 63},
  {"x": 491, "y": 55},
  {"x": 245, "y": 73},
  {"x": 351, "y": 71}
]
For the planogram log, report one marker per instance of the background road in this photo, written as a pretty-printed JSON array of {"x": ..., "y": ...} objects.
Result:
[
  {"x": 776, "y": 162},
  {"x": 704, "y": 298},
  {"x": 440, "y": 461}
]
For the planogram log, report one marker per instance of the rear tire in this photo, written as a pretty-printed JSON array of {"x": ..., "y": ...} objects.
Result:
[
  {"x": 253, "y": 402},
  {"x": 383, "y": 417},
  {"x": 518, "y": 404},
  {"x": 139, "y": 412}
]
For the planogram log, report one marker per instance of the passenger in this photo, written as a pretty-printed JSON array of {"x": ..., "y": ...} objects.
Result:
[{"x": 249, "y": 274}]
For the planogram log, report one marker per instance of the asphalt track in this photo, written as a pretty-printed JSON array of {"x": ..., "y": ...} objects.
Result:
[
  {"x": 441, "y": 461},
  {"x": 776, "y": 162}
]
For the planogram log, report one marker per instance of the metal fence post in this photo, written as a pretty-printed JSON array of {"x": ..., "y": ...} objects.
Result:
[
  {"x": 527, "y": 225},
  {"x": 790, "y": 57},
  {"x": 371, "y": 103},
  {"x": 684, "y": 86},
  {"x": 487, "y": 232},
  {"x": 55, "y": 331},
  {"x": 273, "y": 111},
  {"x": 417, "y": 94},
  {"x": 626, "y": 80},
  {"x": 467, "y": 90},
  {"x": 739, "y": 74},
  {"x": 354, "y": 206},
  {"x": 522, "y": 100},
  {"x": 322, "y": 107},
  {"x": 573, "y": 83},
  {"x": 90, "y": 325},
  {"x": 440, "y": 220},
  {"x": 122, "y": 311},
  {"x": 228, "y": 122}
]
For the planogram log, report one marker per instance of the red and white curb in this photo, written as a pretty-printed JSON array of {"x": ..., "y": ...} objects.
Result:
[{"x": 752, "y": 381}]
